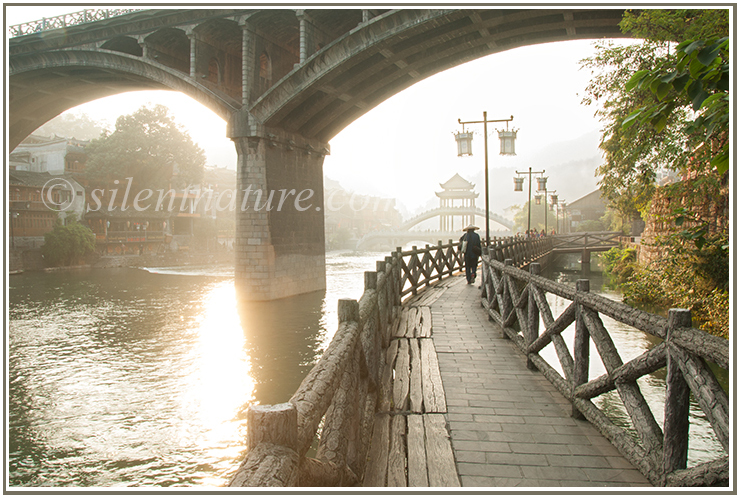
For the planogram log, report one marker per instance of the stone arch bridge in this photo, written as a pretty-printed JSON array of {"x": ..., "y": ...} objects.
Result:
[
  {"x": 392, "y": 238},
  {"x": 285, "y": 80}
]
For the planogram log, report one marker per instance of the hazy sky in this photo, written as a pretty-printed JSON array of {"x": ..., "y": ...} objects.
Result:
[{"x": 404, "y": 147}]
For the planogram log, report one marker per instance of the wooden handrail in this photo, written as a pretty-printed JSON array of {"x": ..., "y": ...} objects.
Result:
[
  {"x": 516, "y": 301},
  {"x": 342, "y": 389}
]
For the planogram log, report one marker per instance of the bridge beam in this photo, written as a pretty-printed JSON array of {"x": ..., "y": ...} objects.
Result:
[{"x": 280, "y": 221}]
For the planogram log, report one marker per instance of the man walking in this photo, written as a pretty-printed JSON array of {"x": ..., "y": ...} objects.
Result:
[{"x": 471, "y": 249}]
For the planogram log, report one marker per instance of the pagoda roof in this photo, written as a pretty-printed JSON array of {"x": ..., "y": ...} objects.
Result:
[
  {"x": 457, "y": 194},
  {"x": 456, "y": 182}
]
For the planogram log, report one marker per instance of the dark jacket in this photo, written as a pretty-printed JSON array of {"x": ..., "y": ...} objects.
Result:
[{"x": 473, "y": 241}]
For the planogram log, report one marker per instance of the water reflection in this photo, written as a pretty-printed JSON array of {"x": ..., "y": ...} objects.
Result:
[
  {"x": 631, "y": 343},
  {"x": 127, "y": 377}
]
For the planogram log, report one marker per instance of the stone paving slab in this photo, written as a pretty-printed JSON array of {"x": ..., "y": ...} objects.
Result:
[{"x": 508, "y": 425}]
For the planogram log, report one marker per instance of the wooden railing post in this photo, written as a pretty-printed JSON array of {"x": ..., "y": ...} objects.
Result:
[
  {"x": 272, "y": 424},
  {"x": 677, "y": 402},
  {"x": 581, "y": 347},
  {"x": 507, "y": 305},
  {"x": 533, "y": 317},
  {"x": 272, "y": 441}
]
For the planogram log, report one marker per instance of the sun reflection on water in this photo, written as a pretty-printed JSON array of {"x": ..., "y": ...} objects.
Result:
[{"x": 221, "y": 382}]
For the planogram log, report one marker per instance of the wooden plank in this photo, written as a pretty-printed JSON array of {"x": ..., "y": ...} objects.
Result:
[
  {"x": 416, "y": 455},
  {"x": 432, "y": 384},
  {"x": 397, "y": 464},
  {"x": 403, "y": 320},
  {"x": 425, "y": 321},
  {"x": 401, "y": 377},
  {"x": 412, "y": 322},
  {"x": 415, "y": 377},
  {"x": 387, "y": 378},
  {"x": 440, "y": 460},
  {"x": 375, "y": 471}
]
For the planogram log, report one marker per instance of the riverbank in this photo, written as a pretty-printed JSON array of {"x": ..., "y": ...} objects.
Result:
[{"x": 24, "y": 260}]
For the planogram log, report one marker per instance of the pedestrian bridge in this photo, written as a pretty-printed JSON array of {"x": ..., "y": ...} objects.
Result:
[
  {"x": 285, "y": 80},
  {"x": 393, "y": 238},
  {"x": 430, "y": 382}
]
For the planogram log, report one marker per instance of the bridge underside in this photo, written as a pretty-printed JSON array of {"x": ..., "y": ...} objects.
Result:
[{"x": 286, "y": 81}]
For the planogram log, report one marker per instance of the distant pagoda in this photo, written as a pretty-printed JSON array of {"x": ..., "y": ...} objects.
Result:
[{"x": 457, "y": 193}]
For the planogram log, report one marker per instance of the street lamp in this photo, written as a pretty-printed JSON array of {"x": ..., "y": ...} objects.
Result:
[
  {"x": 506, "y": 148},
  {"x": 562, "y": 204},
  {"x": 545, "y": 203},
  {"x": 520, "y": 180}
]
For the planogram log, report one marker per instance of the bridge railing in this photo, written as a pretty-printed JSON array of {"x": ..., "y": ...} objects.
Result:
[
  {"x": 64, "y": 20},
  {"x": 333, "y": 409},
  {"x": 578, "y": 240},
  {"x": 516, "y": 301},
  {"x": 423, "y": 267}
]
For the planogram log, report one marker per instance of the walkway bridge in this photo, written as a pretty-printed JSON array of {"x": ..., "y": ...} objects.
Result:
[
  {"x": 285, "y": 80},
  {"x": 430, "y": 382},
  {"x": 392, "y": 238},
  {"x": 585, "y": 243}
]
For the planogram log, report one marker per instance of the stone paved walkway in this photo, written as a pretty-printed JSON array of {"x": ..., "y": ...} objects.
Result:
[{"x": 509, "y": 426}]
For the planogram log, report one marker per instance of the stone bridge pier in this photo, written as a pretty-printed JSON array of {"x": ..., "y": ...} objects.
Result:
[{"x": 279, "y": 211}]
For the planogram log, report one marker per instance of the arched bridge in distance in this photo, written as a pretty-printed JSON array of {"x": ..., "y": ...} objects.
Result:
[
  {"x": 285, "y": 80},
  {"x": 393, "y": 238}
]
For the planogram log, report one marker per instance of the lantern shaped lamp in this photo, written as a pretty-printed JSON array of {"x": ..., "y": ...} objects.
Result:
[
  {"x": 537, "y": 199},
  {"x": 541, "y": 183},
  {"x": 554, "y": 199},
  {"x": 464, "y": 140},
  {"x": 507, "y": 142},
  {"x": 518, "y": 183}
]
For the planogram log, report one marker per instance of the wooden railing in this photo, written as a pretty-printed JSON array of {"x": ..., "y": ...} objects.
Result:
[
  {"x": 586, "y": 240},
  {"x": 333, "y": 409},
  {"x": 421, "y": 268},
  {"x": 516, "y": 301}
]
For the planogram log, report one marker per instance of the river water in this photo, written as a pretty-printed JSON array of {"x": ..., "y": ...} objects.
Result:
[{"x": 142, "y": 377}]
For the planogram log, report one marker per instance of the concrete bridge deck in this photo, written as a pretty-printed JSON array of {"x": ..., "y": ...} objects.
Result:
[{"x": 507, "y": 426}]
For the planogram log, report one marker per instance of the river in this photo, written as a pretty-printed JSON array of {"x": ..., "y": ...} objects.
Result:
[{"x": 142, "y": 377}]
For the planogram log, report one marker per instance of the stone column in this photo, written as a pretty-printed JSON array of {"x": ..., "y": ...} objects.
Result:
[
  {"x": 248, "y": 62},
  {"x": 279, "y": 211},
  {"x": 193, "y": 43}
]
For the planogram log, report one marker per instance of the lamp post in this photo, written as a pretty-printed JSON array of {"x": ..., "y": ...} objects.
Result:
[
  {"x": 506, "y": 148},
  {"x": 518, "y": 187},
  {"x": 555, "y": 203},
  {"x": 554, "y": 200},
  {"x": 562, "y": 204}
]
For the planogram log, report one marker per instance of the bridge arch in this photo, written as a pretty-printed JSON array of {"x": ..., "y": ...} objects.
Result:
[
  {"x": 125, "y": 45},
  {"x": 85, "y": 75},
  {"x": 401, "y": 47},
  {"x": 436, "y": 212}
]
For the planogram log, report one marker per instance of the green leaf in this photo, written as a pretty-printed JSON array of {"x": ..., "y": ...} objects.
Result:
[
  {"x": 707, "y": 55},
  {"x": 720, "y": 162},
  {"x": 659, "y": 123},
  {"x": 635, "y": 79},
  {"x": 632, "y": 117},
  {"x": 663, "y": 90},
  {"x": 668, "y": 78},
  {"x": 691, "y": 47}
]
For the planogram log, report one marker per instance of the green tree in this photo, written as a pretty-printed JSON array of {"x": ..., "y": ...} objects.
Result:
[
  {"x": 148, "y": 146},
  {"x": 634, "y": 154},
  {"x": 67, "y": 244},
  {"x": 537, "y": 218}
]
